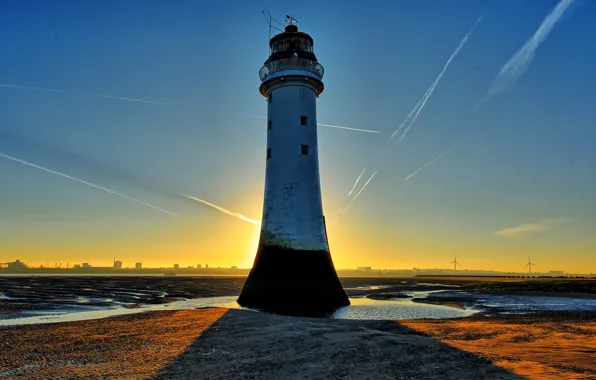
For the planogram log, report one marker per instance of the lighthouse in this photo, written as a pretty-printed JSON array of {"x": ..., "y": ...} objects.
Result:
[{"x": 293, "y": 272}]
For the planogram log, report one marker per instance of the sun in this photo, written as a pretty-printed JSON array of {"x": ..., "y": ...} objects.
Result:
[{"x": 251, "y": 248}]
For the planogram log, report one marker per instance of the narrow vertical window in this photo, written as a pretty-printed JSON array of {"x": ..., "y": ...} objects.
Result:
[
  {"x": 270, "y": 97},
  {"x": 269, "y": 124},
  {"x": 303, "y": 120},
  {"x": 269, "y": 153},
  {"x": 304, "y": 150}
]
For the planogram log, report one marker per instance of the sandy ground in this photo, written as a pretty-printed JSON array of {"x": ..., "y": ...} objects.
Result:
[
  {"x": 233, "y": 344},
  {"x": 555, "y": 346}
]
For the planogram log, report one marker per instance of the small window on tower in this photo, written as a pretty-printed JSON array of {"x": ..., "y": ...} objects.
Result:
[
  {"x": 270, "y": 97},
  {"x": 303, "y": 120},
  {"x": 304, "y": 150},
  {"x": 269, "y": 124},
  {"x": 269, "y": 153}
]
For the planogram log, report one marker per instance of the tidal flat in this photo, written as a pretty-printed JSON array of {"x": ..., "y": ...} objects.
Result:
[{"x": 489, "y": 335}]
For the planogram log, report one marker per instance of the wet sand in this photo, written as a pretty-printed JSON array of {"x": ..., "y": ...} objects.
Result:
[
  {"x": 239, "y": 344},
  {"x": 43, "y": 294},
  {"x": 36, "y": 293}
]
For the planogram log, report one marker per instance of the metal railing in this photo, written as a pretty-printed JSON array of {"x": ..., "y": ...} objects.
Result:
[{"x": 291, "y": 64}]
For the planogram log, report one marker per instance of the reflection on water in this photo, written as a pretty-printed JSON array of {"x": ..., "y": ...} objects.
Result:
[
  {"x": 361, "y": 308},
  {"x": 365, "y": 308},
  {"x": 71, "y": 316}
]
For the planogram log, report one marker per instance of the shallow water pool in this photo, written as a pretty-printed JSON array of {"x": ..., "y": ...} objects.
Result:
[{"x": 361, "y": 309}]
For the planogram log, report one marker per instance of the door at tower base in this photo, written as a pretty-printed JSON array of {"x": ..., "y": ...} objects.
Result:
[{"x": 293, "y": 282}]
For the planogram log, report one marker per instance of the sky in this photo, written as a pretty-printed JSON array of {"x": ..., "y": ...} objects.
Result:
[{"x": 151, "y": 104}]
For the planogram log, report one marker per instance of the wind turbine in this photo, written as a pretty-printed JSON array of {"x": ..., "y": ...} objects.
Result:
[
  {"x": 455, "y": 263},
  {"x": 529, "y": 264}
]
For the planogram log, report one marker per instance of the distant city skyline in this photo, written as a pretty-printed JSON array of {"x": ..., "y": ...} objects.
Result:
[
  {"x": 126, "y": 131},
  {"x": 138, "y": 265}
]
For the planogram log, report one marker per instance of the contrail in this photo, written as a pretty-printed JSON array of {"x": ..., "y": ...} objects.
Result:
[
  {"x": 429, "y": 163},
  {"x": 343, "y": 211},
  {"x": 521, "y": 60},
  {"x": 29, "y": 88},
  {"x": 348, "y": 128},
  {"x": 246, "y": 115},
  {"x": 356, "y": 183},
  {"x": 413, "y": 115},
  {"x": 224, "y": 210},
  {"x": 321, "y": 125},
  {"x": 85, "y": 94},
  {"x": 97, "y": 167},
  {"x": 84, "y": 183},
  {"x": 432, "y": 87},
  {"x": 410, "y": 114},
  {"x": 126, "y": 99},
  {"x": 358, "y": 193}
]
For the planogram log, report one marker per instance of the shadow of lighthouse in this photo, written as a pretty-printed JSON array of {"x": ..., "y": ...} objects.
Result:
[{"x": 293, "y": 272}]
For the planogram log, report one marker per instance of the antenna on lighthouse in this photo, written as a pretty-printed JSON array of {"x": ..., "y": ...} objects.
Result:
[
  {"x": 291, "y": 20},
  {"x": 266, "y": 13}
]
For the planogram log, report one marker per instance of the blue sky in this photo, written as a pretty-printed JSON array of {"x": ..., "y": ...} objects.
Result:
[{"x": 525, "y": 156}]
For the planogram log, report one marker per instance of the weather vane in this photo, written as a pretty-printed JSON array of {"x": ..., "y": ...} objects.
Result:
[{"x": 291, "y": 20}]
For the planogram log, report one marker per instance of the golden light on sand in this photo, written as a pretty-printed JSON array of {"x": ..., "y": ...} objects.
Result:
[
  {"x": 132, "y": 347},
  {"x": 534, "y": 348}
]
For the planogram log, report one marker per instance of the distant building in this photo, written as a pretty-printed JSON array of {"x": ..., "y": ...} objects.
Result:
[
  {"x": 117, "y": 264},
  {"x": 556, "y": 273},
  {"x": 176, "y": 266},
  {"x": 365, "y": 269},
  {"x": 17, "y": 265},
  {"x": 76, "y": 266},
  {"x": 86, "y": 265},
  {"x": 198, "y": 266},
  {"x": 138, "y": 265},
  {"x": 190, "y": 267},
  {"x": 234, "y": 267}
]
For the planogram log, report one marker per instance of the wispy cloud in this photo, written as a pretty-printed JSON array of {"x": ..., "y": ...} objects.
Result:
[
  {"x": 320, "y": 125},
  {"x": 84, "y": 94},
  {"x": 220, "y": 208},
  {"x": 518, "y": 64},
  {"x": 11, "y": 158},
  {"x": 429, "y": 92},
  {"x": 356, "y": 182},
  {"x": 429, "y": 163},
  {"x": 528, "y": 228}
]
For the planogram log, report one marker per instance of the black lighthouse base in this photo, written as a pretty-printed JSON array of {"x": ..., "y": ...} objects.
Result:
[{"x": 293, "y": 282}]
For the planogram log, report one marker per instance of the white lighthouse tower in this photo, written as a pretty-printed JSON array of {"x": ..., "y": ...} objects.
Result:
[{"x": 293, "y": 272}]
